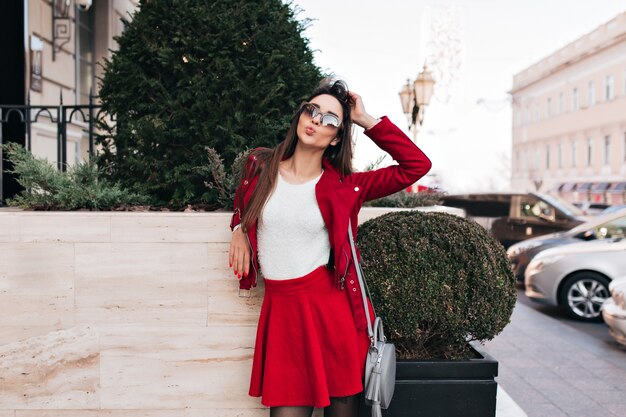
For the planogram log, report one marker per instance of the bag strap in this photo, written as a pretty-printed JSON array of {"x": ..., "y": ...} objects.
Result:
[{"x": 363, "y": 284}]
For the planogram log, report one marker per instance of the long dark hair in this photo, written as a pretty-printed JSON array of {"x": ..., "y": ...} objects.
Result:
[{"x": 268, "y": 160}]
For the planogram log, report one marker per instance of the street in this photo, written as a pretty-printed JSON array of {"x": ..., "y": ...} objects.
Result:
[
  {"x": 598, "y": 330},
  {"x": 552, "y": 366}
]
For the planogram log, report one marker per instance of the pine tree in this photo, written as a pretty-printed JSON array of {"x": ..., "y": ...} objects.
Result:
[{"x": 192, "y": 74}]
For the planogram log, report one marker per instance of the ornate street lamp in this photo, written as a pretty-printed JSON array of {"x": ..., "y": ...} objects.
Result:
[
  {"x": 415, "y": 97},
  {"x": 61, "y": 22}
]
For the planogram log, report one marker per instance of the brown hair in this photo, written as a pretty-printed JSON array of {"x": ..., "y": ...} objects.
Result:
[{"x": 268, "y": 160}]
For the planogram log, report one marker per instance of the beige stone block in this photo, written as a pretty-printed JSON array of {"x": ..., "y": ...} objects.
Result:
[
  {"x": 9, "y": 225},
  {"x": 100, "y": 413},
  {"x": 7, "y": 413},
  {"x": 64, "y": 227},
  {"x": 56, "y": 370},
  {"x": 248, "y": 313},
  {"x": 170, "y": 227},
  {"x": 38, "y": 267},
  {"x": 239, "y": 412},
  {"x": 28, "y": 310},
  {"x": 176, "y": 367},
  {"x": 229, "y": 412},
  {"x": 10, "y": 334},
  {"x": 36, "y": 284},
  {"x": 218, "y": 257},
  {"x": 227, "y": 305},
  {"x": 141, "y": 283}
]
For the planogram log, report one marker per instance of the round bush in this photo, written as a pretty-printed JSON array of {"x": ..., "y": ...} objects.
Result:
[{"x": 438, "y": 281}]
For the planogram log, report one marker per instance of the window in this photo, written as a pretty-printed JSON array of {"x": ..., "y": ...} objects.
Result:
[
  {"x": 575, "y": 99},
  {"x": 532, "y": 207},
  {"x": 575, "y": 152},
  {"x": 537, "y": 161},
  {"x": 548, "y": 156},
  {"x": 609, "y": 230},
  {"x": 560, "y": 155},
  {"x": 589, "y": 149},
  {"x": 548, "y": 107},
  {"x": 591, "y": 96},
  {"x": 561, "y": 104},
  {"x": 607, "y": 150},
  {"x": 517, "y": 167},
  {"x": 85, "y": 59},
  {"x": 608, "y": 88},
  {"x": 537, "y": 112}
]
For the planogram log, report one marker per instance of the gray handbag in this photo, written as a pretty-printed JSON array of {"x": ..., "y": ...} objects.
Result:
[{"x": 380, "y": 364}]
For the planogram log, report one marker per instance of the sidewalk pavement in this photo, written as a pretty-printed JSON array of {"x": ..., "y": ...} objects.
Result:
[
  {"x": 551, "y": 369},
  {"x": 505, "y": 406}
]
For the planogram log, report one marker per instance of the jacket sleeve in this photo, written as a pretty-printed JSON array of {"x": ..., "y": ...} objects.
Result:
[
  {"x": 239, "y": 192},
  {"x": 413, "y": 164},
  {"x": 236, "y": 218}
]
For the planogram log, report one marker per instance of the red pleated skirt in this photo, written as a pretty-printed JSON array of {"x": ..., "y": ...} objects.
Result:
[{"x": 307, "y": 348}]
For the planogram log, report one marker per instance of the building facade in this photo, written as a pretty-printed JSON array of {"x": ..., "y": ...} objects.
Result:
[
  {"x": 569, "y": 119},
  {"x": 54, "y": 48}
]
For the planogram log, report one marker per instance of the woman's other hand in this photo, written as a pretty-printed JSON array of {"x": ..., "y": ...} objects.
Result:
[
  {"x": 358, "y": 114},
  {"x": 239, "y": 256}
]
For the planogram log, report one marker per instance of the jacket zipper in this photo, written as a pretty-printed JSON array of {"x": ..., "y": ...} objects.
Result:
[{"x": 342, "y": 280}]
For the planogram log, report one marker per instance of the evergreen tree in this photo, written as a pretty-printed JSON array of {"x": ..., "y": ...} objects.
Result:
[{"x": 192, "y": 74}]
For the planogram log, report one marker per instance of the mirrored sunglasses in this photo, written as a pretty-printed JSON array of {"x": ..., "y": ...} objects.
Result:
[{"x": 327, "y": 119}]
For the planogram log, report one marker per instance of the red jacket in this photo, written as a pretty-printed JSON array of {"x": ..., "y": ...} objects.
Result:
[{"x": 340, "y": 199}]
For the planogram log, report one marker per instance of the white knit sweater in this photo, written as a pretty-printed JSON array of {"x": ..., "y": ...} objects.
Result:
[{"x": 292, "y": 236}]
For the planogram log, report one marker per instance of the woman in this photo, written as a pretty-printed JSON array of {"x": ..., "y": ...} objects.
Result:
[{"x": 291, "y": 220}]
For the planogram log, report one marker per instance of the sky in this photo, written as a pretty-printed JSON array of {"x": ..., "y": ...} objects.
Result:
[{"x": 376, "y": 46}]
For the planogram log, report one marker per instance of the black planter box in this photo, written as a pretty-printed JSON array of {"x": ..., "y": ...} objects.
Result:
[{"x": 443, "y": 388}]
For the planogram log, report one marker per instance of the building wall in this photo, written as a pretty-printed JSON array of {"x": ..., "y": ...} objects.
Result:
[
  {"x": 558, "y": 138},
  {"x": 62, "y": 75}
]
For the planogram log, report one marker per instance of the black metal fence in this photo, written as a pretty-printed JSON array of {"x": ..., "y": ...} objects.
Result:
[{"x": 82, "y": 116}]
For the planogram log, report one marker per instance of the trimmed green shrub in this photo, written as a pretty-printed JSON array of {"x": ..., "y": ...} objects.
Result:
[
  {"x": 223, "y": 181},
  {"x": 407, "y": 200},
  {"x": 437, "y": 280},
  {"x": 191, "y": 74},
  {"x": 46, "y": 188}
]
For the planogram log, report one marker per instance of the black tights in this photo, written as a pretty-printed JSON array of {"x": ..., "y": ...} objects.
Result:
[{"x": 339, "y": 407}]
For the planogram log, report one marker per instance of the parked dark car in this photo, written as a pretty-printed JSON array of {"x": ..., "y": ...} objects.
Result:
[
  {"x": 513, "y": 217},
  {"x": 602, "y": 226}
]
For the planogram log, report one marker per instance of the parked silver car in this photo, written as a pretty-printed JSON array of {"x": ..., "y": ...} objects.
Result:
[
  {"x": 576, "y": 276},
  {"x": 602, "y": 226}
]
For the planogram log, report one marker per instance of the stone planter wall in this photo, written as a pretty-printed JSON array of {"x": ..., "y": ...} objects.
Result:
[{"x": 124, "y": 314}]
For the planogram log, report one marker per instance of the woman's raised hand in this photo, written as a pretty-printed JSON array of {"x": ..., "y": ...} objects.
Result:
[
  {"x": 358, "y": 114},
  {"x": 239, "y": 255}
]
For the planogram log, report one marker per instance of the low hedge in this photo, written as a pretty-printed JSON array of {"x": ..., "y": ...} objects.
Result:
[
  {"x": 438, "y": 281},
  {"x": 82, "y": 186},
  {"x": 404, "y": 199}
]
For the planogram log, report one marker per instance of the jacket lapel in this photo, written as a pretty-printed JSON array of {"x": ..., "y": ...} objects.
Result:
[{"x": 336, "y": 200}]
